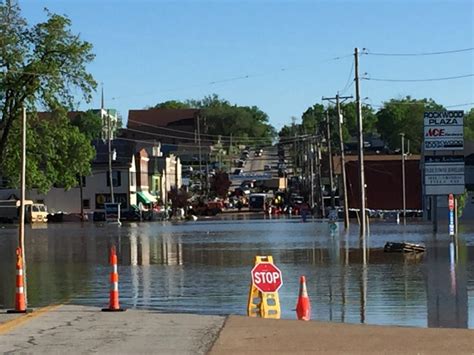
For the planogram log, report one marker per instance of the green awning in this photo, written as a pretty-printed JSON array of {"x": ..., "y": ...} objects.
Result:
[{"x": 143, "y": 198}]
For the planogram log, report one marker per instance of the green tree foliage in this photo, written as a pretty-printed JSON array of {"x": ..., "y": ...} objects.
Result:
[
  {"x": 469, "y": 125},
  {"x": 220, "y": 184},
  {"x": 173, "y": 104},
  {"x": 57, "y": 152},
  {"x": 247, "y": 124},
  {"x": 404, "y": 116},
  {"x": 89, "y": 124},
  {"x": 42, "y": 65}
]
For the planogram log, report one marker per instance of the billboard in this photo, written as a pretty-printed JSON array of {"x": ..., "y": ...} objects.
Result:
[
  {"x": 443, "y": 130},
  {"x": 444, "y": 175}
]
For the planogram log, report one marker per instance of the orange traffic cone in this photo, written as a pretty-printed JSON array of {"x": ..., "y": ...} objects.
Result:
[
  {"x": 20, "y": 300},
  {"x": 114, "y": 305},
  {"x": 303, "y": 307}
]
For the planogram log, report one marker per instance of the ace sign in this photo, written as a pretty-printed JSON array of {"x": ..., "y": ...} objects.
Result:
[{"x": 266, "y": 277}]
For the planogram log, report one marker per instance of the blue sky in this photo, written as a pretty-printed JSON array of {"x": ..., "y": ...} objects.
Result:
[{"x": 277, "y": 55}]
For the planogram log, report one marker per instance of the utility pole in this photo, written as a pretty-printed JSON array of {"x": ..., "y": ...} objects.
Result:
[
  {"x": 403, "y": 178},
  {"x": 199, "y": 150},
  {"x": 361, "y": 157},
  {"x": 331, "y": 175},
  {"x": 318, "y": 170},
  {"x": 343, "y": 191},
  {"x": 21, "y": 232},
  {"x": 109, "y": 144},
  {"x": 311, "y": 172}
]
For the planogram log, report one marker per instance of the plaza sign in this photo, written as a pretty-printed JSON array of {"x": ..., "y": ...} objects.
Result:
[
  {"x": 444, "y": 175},
  {"x": 443, "y": 130}
]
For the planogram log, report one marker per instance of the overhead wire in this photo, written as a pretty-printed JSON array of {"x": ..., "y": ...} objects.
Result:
[
  {"x": 349, "y": 83},
  {"x": 418, "y": 103},
  {"x": 193, "y": 133},
  {"x": 419, "y": 80},
  {"x": 248, "y": 140},
  {"x": 367, "y": 52}
]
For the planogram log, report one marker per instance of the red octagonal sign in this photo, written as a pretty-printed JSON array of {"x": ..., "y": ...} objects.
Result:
[{"x": 266, "y": 277}]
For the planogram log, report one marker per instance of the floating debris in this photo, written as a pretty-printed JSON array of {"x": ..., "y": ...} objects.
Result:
[{"x": 403, "y": 248}]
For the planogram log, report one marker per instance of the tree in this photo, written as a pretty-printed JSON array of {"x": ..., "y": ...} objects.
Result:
[
  {"x": 404, "y": 116},
  {"x": 220, "y": 184},
  {"x": 89, "y": 124},
  {"x": 179, "y": 197},
  {"x": 469, "y": 125},
  {"x": 246, "y": 124},
  {"x": 173, "y": 104},
  {"x": 42, "y": 65},
  {"x": 57, "y": 152}
]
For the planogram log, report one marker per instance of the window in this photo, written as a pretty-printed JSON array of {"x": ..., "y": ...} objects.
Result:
[
  {"x": 133, "y": 178},
  {"x": 86, "y": 204},
  {"x": 116, "y": 178}
]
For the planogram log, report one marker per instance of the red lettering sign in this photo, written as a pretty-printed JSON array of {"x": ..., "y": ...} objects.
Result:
[
  {"x": 435, "y": 132},
  {"x": 266, "y": 277}
]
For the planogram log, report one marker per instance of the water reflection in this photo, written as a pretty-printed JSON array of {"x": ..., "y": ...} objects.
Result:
[
  {"x": 447, "y": 284},
  {"x": 204, "y": 267}
]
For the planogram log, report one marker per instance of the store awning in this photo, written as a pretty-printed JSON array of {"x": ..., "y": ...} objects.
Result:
[{"x": 145, "y": 197}]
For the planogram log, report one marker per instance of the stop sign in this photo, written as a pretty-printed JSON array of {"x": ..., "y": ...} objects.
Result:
[{"x": 266, "y": 277}]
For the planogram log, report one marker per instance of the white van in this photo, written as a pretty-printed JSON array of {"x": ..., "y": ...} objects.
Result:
[{"x": 34, "y": 212}]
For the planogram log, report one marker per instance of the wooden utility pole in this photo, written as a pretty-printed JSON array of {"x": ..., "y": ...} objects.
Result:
[
  {"x": 343, "y": 190},
  {"x": 199, "y": 151},
  {"x": 109, "y": 146},
  {"x": 331, "y": 175},
  {"x": 311, "y": 172},
  {"x": 361, "y": 157},
  {"x": 343, "y": 160},
  {"x": 403, "y": 178},
  {"x": 21, "y": 232},
  {"x": 318, "y": 171}
]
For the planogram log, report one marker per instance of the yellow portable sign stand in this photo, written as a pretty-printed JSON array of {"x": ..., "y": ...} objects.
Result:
[{"x": 263, "y": 304}]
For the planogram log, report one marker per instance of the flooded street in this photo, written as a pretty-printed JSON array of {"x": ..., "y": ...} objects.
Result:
[{"x": 204, "y": 267}]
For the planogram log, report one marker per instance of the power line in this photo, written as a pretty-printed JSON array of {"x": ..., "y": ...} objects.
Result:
[
  {"x": 349, "y": 82},
  {"x": 192, "y": 133},
  {"x": 248, "y": 140},
  {"x": 420, "y": 80},
  {"x": 418, "y": 54},
  {"x": 418, "y": 103}
]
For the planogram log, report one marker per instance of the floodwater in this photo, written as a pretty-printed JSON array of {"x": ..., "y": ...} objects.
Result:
[{"x": 204, "y": 267}]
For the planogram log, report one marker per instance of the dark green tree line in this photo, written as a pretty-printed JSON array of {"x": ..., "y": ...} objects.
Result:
[{"x": 247, "y": 124}]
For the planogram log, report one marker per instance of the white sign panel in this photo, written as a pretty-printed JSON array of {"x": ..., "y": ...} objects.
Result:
[
  {"x": 444, "y": 175},
  {"x": 444, "y": 130}
]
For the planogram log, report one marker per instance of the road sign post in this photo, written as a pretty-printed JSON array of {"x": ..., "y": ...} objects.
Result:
[{"x": 451, "y": 214}]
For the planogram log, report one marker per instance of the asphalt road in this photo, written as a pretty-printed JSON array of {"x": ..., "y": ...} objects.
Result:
[{"x": 79, "y": 329}]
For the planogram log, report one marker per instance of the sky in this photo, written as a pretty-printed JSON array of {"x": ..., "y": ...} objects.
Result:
[{"x": 282, "y": 56}]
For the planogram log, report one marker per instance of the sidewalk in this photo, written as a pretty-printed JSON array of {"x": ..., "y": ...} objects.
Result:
[
  {"x": 79, "y": 329},
  {"x": 243, "y": 335}
]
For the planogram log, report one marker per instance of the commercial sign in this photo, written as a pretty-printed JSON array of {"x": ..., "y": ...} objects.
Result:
[
  {"x": 443, "y": 130},
  {"x": 444, "y": 175},
  {"x": 112, "y": 212},
  {"x": 266, "y": 277}
]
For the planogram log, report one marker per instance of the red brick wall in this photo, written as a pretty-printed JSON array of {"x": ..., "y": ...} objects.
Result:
[{"x": 384, "y": 184}]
